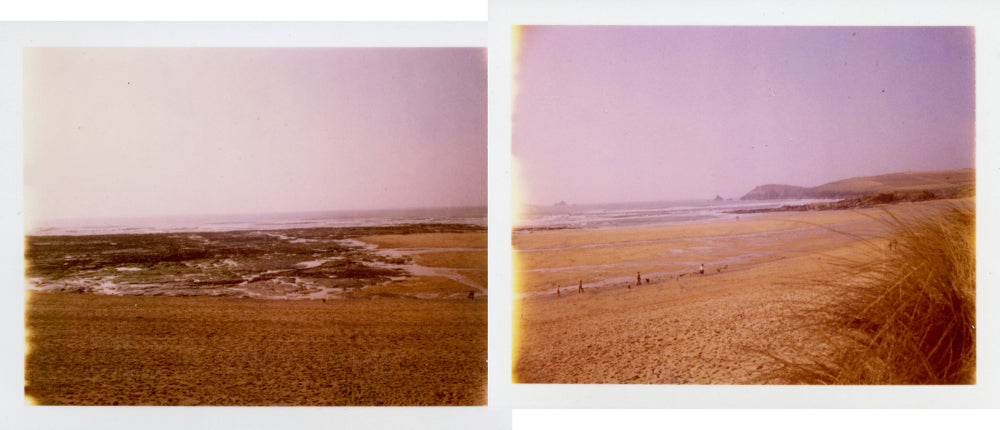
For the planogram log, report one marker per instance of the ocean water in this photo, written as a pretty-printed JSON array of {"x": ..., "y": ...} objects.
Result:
[
  {"x": 620, "y": 215},
  {"x": 272, "y": 221}
]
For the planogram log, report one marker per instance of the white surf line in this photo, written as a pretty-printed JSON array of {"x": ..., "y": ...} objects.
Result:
[
  {"x": 354, "y": 243},
  {"x": 277, "y": 235},
  {"x": 316, "y": 263}
]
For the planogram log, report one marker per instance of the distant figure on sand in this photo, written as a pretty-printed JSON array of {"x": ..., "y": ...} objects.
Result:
[
  {"x": 638, "y": 279},
  {"x": 581, "y": 287},
  {"x": 472, "y": 294},
  {"x": 558, "y": 293},
  {"x": 702, "y": 269}
]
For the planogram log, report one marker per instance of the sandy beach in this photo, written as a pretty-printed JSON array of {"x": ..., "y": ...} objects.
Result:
[
  {"x": 412, "y": 341},
  {"x": 678, "y": 326}
]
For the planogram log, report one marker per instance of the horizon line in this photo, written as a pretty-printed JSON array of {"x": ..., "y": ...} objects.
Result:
[
  {"x": 739, "y": 197},
  {"x": 250, "y": 213}
]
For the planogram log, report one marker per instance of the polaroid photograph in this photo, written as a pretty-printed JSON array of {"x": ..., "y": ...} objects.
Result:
[{"x": 297, "y": 221}]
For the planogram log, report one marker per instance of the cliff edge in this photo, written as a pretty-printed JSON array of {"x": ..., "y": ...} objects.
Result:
[{"x": 937, "y": 181}]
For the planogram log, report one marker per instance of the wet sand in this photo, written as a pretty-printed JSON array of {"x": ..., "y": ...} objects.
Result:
[
  {"x": 682, "y": 327},
  {"x": 380, "y": 345}
]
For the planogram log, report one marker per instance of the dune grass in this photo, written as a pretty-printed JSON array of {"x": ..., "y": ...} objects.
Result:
[{"x": 904, "y": 312}]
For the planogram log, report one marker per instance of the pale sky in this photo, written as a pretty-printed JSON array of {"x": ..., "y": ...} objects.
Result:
[
  {"x": 114, "y": 132},
  {"x": 617, "y": 114}
]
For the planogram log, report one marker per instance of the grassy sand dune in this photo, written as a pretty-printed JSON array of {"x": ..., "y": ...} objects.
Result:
[
  {"x": 937, "y": 180},
  {"x": 909, "y": 316},
  {"x": 725, "y": 326}
]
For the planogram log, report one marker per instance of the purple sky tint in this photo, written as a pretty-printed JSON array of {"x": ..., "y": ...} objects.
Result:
[
  {"x": 613, "y": 114},
  {"x": 174, "y": 131}
]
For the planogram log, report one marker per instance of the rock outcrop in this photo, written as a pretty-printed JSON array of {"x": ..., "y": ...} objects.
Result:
[{"x": 777, "y": 192}]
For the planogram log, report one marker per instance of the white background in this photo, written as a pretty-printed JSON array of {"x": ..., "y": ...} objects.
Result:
[{"x": 558, "y": 403}]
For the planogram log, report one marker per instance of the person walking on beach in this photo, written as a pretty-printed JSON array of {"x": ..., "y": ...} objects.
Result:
[
  {"x": 581, "y": 287},
  {"x": 702, "y": 269},
  {"x": 638, "y": 279}
]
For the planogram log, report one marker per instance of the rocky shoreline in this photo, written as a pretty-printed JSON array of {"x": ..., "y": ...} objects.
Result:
[
  {"x": 865, "y": 201},
  {"x": 290, "y": 263}
]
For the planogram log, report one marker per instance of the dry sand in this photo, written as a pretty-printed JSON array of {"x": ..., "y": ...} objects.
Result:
[
  {"x": 373, "y": 349},
  {"x": 682, "y": 327}
]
